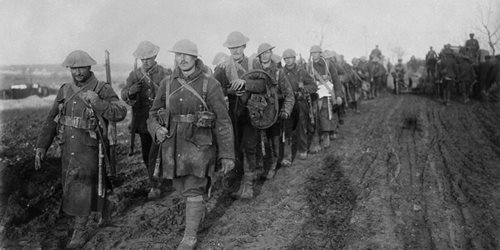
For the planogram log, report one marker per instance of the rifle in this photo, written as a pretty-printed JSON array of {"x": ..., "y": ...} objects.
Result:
[
  {"x": 112, "y": 125},
  {"x": 132, "y": 125}
]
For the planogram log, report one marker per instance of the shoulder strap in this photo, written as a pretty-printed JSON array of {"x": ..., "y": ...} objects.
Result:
[
  {"x": 167, "y": 94},
  {"x": 187, "y": 86}
]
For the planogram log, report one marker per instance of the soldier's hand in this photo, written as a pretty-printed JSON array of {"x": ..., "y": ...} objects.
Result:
[
  {"x": 39, "y": 157},
  {"x": 161, "y": 134},
  {"x": 339, "y": 100},
  {"x": 283, "y": 115},
  {"x": 134, "y": 89},
  {"x": 237, "y": 84},
  {"x": 91, "y": 96},
  {"x": 226, "y": 165}
]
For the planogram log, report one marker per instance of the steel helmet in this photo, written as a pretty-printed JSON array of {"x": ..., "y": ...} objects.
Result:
[
  {"x": 235, "y": 39},
  {"x": 315, "y": 48},
  {"x": 146, "y": 49},
  {"x": 289, "y": 53},
  {"x": 185, "y": 46},
  {"x": 263, "y": 48},
  {"x": 78, "y": 58}
]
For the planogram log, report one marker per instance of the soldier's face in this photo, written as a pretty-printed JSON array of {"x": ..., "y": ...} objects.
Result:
[
  {"x": 148, "y": 62},
  {"x": 80, "y": 74},
  {"x": 315, "y": 56},
  {"x": 289, "y": 62},
  {"x": 237, "y": 52},
  {"x": 184, "y": 61},
  {"x": 265, "y": 57}
]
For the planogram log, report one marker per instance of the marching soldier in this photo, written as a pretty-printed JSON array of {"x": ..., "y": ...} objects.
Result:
[
  {"x": 189, "y": 117},
  {"x": 377, "y": 73},
  {"x": 329, "y": 95},
  {"x": 430, "y": 63},
  {"x": 466, "y": 77},
  {"x": 376, "y": 53},
  {"x": 399, "y": 76},
  {"x": 276, "y": 133},
  {"x": 238, "y": 92},
  {"x": 78, "y": 120},
  {"x": 352, "y": 85},
  {"x": 447, "y": 70},
  {"x": 302, "y": 117},
  {"x": 140, "y": 91}
]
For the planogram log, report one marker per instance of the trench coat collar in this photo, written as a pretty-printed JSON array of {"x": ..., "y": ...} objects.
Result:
[{"x": 90, "y": 83}]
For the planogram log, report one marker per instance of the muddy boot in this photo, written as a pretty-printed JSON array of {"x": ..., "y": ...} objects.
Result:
[
  {"x": 272, "y": 169},
  {"x": 247, "y": 192},
  {"x": 79, "y": 237},
  {"x": 195, "y": 210},
  {"x": 237, "y": 194},
  {"x": 325, "y": 140},
  {"x": 302, "y": 155},
  {"x": 154, "y": 193},
  {"x": 287, "y": 154},
  {"x": 315, "y": 147}
]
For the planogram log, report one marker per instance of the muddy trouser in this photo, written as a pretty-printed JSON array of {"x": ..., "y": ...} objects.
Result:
[
  {"x": 272, "y": 145},
  {"x": 298, "y": 126},
  {"x": 190, "y": 185},
  {"x": 465, "y": 89},
  {"x": 377, "y": 83},
  {"x": 447, "y": 85},
  {"x": 149, "y": 154}
]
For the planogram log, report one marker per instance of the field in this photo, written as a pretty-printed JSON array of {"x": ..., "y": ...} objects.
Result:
[{"x": 406, "y": 173}]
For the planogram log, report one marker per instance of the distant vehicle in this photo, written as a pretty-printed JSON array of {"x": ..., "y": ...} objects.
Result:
[{"x": 20, "y": 91}]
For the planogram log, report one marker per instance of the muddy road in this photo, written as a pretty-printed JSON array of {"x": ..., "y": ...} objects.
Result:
[{"x": 406, "y": 173}]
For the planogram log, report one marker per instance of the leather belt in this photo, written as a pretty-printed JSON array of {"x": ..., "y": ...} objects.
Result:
[
  {"x": 78, "y": 122},
  {"x": 189, "y": 118}
]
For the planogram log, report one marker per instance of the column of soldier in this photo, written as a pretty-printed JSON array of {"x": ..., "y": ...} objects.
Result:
[
  {"x": 462, "y": 69},
  {"x": 198, "y": 122}
]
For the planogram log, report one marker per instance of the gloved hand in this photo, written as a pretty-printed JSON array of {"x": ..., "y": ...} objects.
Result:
[
  {"x": 91, "y": 97},
  {"x": 161, "y": 134},
  {"x": 39, "y": 157},
  {"x": 237, "y": 84},
  {"x": 226, "y": 165},
  {"x": 339, "y": 100},
  {"x": 283, "y": 115},
  {"x": 134, "y": 89}
]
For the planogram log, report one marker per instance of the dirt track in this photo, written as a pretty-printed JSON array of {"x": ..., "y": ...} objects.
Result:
[{"x": 407, "y": 173}]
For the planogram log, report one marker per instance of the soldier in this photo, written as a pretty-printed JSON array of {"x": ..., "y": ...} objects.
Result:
[
  {"x": 472, "y": 48},
  {"x": 78, "y": 120},
  {"x": 447, "y": 70},
  {"x": 189, "y": 118},
  {"x": 302, "y": 119},
  {"x": 399, "y": 76},
  {"x": 139, "y": 92},
  {"x": 377, "y": 73},
  {"x": 363, "y": 72},
  {"x": 238, "y": 91},
  {"x": 430, "y": 64},
  {"x": 375, "y": 53},
  {"x": 466, "y": 77},
  {"x": 286, "y": 101},
  {"x": 352, "y": 85},
  {"x": 485, "y": 77},
  {"x": 329, "y": 95}
]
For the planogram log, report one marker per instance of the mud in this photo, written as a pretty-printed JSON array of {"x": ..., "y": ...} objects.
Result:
[{"x": 406, "y": 173}]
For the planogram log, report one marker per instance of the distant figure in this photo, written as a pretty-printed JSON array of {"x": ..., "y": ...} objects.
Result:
[
  {"x": 376, "y": 53},
  {"x": 447, "y": 70},
  {"x": 430, "y": 64},
  {"x": 399, "y": 76},
  {"x": 472, "y": 48}
]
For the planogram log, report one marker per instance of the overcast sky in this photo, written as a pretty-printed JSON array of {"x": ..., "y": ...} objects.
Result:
[{"x": 39, "y": 31}]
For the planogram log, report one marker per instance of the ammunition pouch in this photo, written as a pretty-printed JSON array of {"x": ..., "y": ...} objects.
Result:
[
  {"x": 200, "y": 119},
  {"x": 78, "y": 122}
]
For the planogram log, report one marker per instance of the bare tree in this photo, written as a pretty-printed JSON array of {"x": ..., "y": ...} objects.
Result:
[
  {"x": 398, "y": 51},
  {"x": 489, "y": 22}
]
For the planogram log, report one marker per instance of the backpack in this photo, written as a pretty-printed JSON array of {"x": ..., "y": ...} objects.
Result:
[{"x": 263, "y": 108}]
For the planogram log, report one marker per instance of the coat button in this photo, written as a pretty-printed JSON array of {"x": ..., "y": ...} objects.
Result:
[
  {"x": 72, "y": 153},
  {"x": 72, "y": 137},
  {"x": 180, "y": 99}
]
